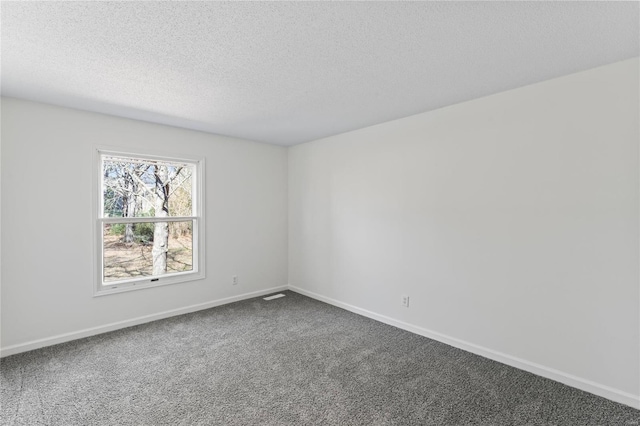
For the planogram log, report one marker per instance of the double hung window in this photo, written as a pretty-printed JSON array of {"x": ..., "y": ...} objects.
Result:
[{"x": 149, "y": 225}]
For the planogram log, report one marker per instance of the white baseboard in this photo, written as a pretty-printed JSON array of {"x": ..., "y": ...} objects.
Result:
[
  {"x": 66, "y": 337},
  {"x": 540, "y": 370}
]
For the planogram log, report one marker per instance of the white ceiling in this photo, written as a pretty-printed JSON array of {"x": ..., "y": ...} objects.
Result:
[{"x": 287, "y": 73}]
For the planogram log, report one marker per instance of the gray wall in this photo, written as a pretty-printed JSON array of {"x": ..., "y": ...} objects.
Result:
[
  {"x": 47, "y": 230},
  {"x": 511, "y": 221}
]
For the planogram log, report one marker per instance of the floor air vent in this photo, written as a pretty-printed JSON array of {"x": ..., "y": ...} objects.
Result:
[{"x": 275, "y": 296}]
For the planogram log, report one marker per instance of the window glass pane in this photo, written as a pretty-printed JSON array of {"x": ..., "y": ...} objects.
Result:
[
  {"x": 137, "y": 250},
  {"x": 146, "y": 188}
]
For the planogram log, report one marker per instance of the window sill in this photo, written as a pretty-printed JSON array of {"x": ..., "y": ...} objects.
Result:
[{"x": 149, "y": 282}]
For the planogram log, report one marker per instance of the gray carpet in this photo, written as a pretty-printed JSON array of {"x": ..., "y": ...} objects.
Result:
[{"x": 290, "y": 361}]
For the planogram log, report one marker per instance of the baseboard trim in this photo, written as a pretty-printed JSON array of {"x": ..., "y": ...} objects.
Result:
[
  {"x": 66, "y": 337},
  {"x": 540, "y": 370}
]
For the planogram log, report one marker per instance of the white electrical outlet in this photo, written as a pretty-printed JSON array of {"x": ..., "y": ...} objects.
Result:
[
  {"x": 235, "y": 280},
  {"x": 405, "y": 300}
]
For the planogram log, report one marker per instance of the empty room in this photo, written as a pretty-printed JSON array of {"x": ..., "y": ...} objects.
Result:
[{"x": 320, "y": 213}]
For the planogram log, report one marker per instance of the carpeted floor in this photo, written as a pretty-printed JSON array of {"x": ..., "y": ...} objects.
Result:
[{"x": 289, "y": 361}]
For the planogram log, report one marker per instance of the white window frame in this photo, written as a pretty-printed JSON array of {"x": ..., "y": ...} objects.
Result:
[{"x": 101, "y": 288}]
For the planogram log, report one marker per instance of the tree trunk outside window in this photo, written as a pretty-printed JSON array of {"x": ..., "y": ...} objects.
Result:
[{"x": 161, "y": 229}]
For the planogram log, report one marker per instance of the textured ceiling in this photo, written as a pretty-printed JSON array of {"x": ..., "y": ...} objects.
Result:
[{"x": 287, "y": 73}]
